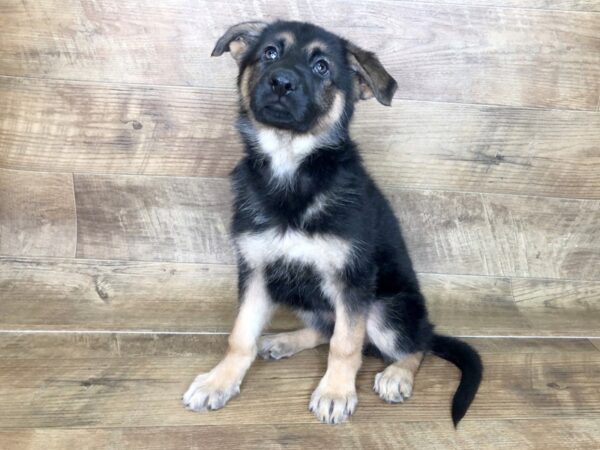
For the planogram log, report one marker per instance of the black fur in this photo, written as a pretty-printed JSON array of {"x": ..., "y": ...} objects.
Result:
[
  {"x": 380, "y": 269},
  {"x": 468, "y": 361}
]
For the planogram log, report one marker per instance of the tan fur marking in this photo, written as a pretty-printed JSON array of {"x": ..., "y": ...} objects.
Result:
[
  {"x": 408, "y": 366},
  {"x": 333, "y": 115},
  {"x": 316, "y": 45},
  {"x": 237, "y": 47},
  {"x": 213, "y": 389},
  {"x": 395, "y": 383},
  {"x": 282, "y": 345},
  {"x": 345, "y": 349},
  {"x": 335, "y": 397},
  {"x": 362, "y": 90},
  {"x": 371, "y": 80},
  {"x": 255, "y": 311},
  {"x": 287, "y": 37},
  {"x": 245, "y": 88}
]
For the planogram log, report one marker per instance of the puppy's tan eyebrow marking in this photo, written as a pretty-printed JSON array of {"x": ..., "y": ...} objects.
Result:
[
  {"x": 314, "y": 47},
  {"x": 287, "y": 37}
]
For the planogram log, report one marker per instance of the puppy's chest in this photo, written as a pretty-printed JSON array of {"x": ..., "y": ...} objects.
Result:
[{"x": 325, "y": 253}]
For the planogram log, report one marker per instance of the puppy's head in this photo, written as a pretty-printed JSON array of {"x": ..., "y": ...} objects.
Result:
[{"x": 296, "y": 76}]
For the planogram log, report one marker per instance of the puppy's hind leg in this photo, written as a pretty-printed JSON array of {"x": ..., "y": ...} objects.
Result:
[
  {"x": 396, "y": 328},
  {"x": 283, "y": 345},
  {"x": 395, "y": 383},
  {"x": 318, "y": 330}
]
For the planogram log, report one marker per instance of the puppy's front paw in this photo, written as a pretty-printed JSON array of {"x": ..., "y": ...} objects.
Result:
[
  {"x": 394, "y": 384},
  {"x": 333, "y": 406},
  {"x": 207, "y": 392}
]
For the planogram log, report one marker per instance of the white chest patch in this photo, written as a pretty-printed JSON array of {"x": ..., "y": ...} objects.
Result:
[
  {"x": 324, "y": 252},
  {"x": 286, "y": 151}
]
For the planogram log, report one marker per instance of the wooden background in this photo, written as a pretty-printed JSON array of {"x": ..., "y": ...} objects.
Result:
[{"x": 117, "y": 281}]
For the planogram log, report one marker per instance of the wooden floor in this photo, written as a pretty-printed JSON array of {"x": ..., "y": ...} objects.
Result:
[{"x": 117, "y": 282}]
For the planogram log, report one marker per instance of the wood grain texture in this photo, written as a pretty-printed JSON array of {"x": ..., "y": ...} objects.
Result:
[
  {"x": 490, "y": 157},
  {"x": 37, "y": 214},
  {"x": 92, "y": 127},
  {"x": 456, "y": 303},
  {"x": 481, "y": 148},
  {"x": 514, "y": 235},
  {"x": 86, "y": 391},
  {"x": 53, "y": 126},
  {"x": 564, "y": 305},
  {"x": 560, "y": 5},
  {"x": 42, "y": 345},
  {"x": 95, "y": 127},
  {"x": 437, "y": 52},
  {"x": 186, "y": 220},
  {"x": 86, "y": 295},
  {"x": 163, "y": 219},
  {"x": 557, "y": 434},
  {"x": 116, "y": 295}
]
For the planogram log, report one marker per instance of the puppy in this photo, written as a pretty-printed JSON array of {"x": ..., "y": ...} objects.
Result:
[{"x": 313, "y": 232}]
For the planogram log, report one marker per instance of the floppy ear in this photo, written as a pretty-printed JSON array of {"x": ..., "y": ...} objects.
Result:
[
  {"x": 371, "y": 79},
  {"x": 238, "y": 39}
]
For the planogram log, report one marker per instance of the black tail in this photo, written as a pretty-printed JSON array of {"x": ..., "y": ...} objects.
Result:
[{"x": 463, "y": 356}]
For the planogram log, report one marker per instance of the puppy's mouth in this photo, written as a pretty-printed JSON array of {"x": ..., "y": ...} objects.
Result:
[{"x": 278, "y": 112}]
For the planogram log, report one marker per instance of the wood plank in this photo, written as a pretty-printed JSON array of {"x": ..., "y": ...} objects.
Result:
[
  {"x": 92, "y": 127},
  {"x": 481, "y": 149},
  {"x": 559, "y": 5},
  {"x": 37, "y": 214},
  {"x": 72, "y": 127},
  {"x": 120, "y": 295},
  {"x": 186, "y": 220},
  {"x": 533, "y": 345},
  {"x": 575, "y": 304},
  {"x": 456, "y": 303},
  {"x": 437, "y": 52},
  {"x": 486, "y": 234},
  {"x": 123, "y": 391},
  {"x": 93, "y": 345},
  {"x": 104, "y": 295},
  {"x": 80, "y": 295},
  {"x": 489, "y": 434},
  {"x": 162, "y": 219}
]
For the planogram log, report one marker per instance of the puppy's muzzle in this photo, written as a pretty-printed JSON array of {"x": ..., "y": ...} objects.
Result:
[{"x": 283, "y": 82}]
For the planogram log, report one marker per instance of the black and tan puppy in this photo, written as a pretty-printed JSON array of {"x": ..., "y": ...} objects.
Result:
[{"x": 314, "y": 233}]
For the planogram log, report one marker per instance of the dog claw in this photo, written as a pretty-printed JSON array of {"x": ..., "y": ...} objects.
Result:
[
  {"x": 393, "y": 386},
  {"x": 205, "y": 394},
  {"x": 333, "y": 408}
]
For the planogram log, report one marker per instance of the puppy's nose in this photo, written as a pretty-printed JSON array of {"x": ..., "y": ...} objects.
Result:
[{"x": 283, "y": 82}]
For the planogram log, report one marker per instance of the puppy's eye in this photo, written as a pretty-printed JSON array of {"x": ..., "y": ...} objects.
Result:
[
  {"x": 271, "y": 53},
  {"x": 321, "y": 67}
]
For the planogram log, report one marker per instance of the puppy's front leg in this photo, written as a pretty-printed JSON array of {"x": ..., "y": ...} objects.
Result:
[
  {"x": 213, "y": 390},
  {"x": 335, "y": 398}
]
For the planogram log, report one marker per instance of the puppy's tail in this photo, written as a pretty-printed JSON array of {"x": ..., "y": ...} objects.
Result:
[{"x": 466, "y": 358}]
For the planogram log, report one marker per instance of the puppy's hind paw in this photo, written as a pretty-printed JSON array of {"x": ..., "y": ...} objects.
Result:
[
  {"x": 394, "y": 385},
  {"x": 275, "y": 347}
]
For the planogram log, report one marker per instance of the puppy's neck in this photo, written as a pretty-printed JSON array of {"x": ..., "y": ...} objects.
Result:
[{"x": 285, "y": 149}]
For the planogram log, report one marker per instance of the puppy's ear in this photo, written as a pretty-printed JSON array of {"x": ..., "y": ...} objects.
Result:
[
  {"x": 371, "y": 79},
  {"x": 238, "y": 39}
]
